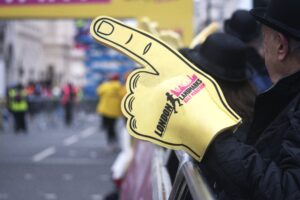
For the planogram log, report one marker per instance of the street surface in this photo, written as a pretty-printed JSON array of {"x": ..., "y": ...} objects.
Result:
[{"x": 55, "y": 162}]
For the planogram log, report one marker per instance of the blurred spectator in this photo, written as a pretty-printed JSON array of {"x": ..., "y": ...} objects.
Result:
[
  {"x": 79, "y": 93},
  {"x": 109, "y": 106},
  {"x": 30, "y": 89},
  {"x": 68, "y": 98},
  {"x": 56, "y": 91},
  {"x": 18, "y": 106},
  {"x": 38, "y": 89},
  {"x": 243, "y": 26},
  {"x": 224, "y": 58},
  {"x": 46, "y": 90}
]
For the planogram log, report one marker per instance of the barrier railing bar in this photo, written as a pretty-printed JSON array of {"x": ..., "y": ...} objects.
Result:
[{"x": 197, "y": 184}]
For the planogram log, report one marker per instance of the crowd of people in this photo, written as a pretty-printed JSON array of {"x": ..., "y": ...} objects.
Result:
[{"x": 31, "y": 99}]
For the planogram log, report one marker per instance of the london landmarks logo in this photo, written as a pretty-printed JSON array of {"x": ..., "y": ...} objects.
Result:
[{"x": 183, "y": 94}]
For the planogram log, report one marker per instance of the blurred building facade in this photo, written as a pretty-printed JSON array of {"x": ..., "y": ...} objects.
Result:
[
  {"x": 207, "y": 11},
  {"x": 42, "y": 50}
]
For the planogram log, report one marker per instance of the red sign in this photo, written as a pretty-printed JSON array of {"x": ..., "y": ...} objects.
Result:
[{"x": 47, "y": 2}]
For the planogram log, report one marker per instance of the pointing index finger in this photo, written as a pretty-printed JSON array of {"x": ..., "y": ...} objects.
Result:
[
  {"x": 139, "y": 45},
  {"x": 152, "y": 53}
]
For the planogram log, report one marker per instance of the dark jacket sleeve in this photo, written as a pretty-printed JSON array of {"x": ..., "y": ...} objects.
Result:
[{"x": 242, "y": 172}]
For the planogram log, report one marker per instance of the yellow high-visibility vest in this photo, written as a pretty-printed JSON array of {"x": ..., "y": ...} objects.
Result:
[{"x": 17, "y": 105}]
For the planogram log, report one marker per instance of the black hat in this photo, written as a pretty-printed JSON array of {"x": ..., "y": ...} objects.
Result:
[
  {"x": 222, "y": 56},
  {"x": 260, "y": 3},
  {"x": 281, "y": 15},
  {"x": 242, "y": 25}
]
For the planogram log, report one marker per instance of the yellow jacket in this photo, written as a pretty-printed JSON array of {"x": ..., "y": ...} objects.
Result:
[{"x": 110, "y": 94}]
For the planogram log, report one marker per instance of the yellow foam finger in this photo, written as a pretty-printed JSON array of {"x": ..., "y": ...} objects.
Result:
[{"x": 169, "y": 102}]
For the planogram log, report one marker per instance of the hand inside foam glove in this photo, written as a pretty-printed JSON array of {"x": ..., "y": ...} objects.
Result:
[{"x": 169, "y": 102}]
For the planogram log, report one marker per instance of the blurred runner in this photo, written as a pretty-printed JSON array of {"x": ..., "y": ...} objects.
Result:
[
  {"x": 68, "y": 99},
  {"x": 109, "y": 106},
  {"x": 120, "y": 166},
  {"x": 18, "y": 106}
]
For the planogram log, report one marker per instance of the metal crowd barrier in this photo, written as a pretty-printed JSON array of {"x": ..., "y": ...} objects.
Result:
[
  {"x": 190, "y": 175},
  {"x": 161, "y": 182},
  {"x": 48, "y": 105},
  {"x": 48, "y": 113},
  {"x": 188, "y": 181}
]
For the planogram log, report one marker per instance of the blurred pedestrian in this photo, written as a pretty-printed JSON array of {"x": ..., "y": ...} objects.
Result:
[
  {"x": 68, "y": 98},
  {"x": 267, "y": 165},
  {"x": 18, "y": 106},
  {"x": 243, "y": 26},
  {"x": 30, "y": 89},
  {"x": 109, "y": 107},
  {"x": 224, "y": 58}
]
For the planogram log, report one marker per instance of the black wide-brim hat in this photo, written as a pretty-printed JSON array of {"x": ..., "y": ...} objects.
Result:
[
  {"x": 242, "y": 25},
  {"x": 222, "y": 56},
  {"x": 282, "y": 16}
]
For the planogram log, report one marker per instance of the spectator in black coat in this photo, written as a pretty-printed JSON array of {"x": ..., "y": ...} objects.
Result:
[
  {"x": 267, "y": 165},
  {"x": 260, "y": 3}
]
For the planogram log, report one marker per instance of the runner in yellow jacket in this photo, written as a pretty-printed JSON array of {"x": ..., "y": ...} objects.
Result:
[{"x": 109, "y": 106}]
